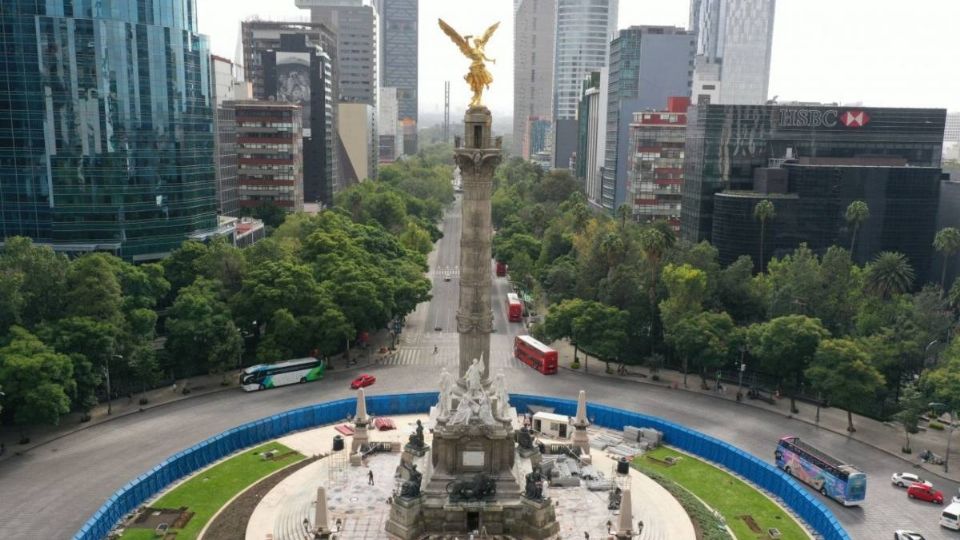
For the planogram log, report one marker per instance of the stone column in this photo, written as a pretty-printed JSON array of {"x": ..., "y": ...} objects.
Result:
[
  {"x": 321, "y": 520},
  {"x": 580, "y": 423},
  {"x": 477, "y": 154},
  {"x": 625, "y": 521},
  {"x": 361, "y": 437}
]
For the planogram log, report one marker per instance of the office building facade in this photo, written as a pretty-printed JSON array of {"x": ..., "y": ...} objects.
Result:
[
  {"x": 104, "y": 147},
  {"x": 391, "y": 129},
  {"x": 582, "y": 46},
  {"x": 399, "y": 53},
  {"x": 648, "y": 64},
  {"x": 258, "y": 37},
  {"x": 725, "y": 144},
  {"x": 592, "y": 121},
  {"x": 533, "y": 41},
  {"x": 357, "y": 131},
  {"x": 811, "y": 196},
  {"x": 734, "y": 45},
  {"x": 655, "y": 163},
  {"x": 269, "y": 154},
  {"x": 226, "y": 81},
  {"x": 299, "y": 71}
]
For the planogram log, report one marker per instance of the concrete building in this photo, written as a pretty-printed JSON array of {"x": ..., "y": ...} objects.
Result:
[
  {"x": 269, "y": 154},
  {"x": 533, "y": 41},
  {"x": 725, "y": 144},
  {"x": 299, "y": 71},
  {"x": 589, "y": 157},
  {"x": 648, "y": 65},
  {"x": 582, "y": 45},
  {"x": 391, "y": 130},
  {"x": 399, "y": 53},
  {"x": 655, "y": 162},
  {"x": 226, "y": 80},
  {"x": 105, "y": 146},
  {"x": 734, "y": 44},
  {"x": 358, "y": 154},
  {"x": 951, "y": 137},
  {"x": 258, "y": 37}
]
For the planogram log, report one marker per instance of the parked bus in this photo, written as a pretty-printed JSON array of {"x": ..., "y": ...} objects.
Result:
[
  {"x": 514, "y": 308},
  {"x": 501, "y": 268},
  {"x": 535, "y": 354},
  {"x": 828, "y": 475},
  {"x": 263, "y": 376}
]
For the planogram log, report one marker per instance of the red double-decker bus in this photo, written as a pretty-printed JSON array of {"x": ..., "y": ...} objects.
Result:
[
  {"x": 535, "y": 354},
  {"x": 514, "y": 308},
  {"x": 501, "y": 268}
]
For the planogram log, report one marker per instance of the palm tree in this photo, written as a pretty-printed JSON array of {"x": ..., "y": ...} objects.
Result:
[
  {"x": 654, "y": 243},
  {"x": 623, "y": 212},
  {"x": 857, "y": 213},
  {"x": 764, "y": 211},
  {"x": 889, "y": 274},
  {"x": 947, "y": 242}
]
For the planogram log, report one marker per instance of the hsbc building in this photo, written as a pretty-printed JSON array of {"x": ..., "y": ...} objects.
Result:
[{"x": 726, "y": 144}]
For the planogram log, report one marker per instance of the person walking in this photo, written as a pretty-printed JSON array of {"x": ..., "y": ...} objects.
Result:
[
  {"x": 435, "y": 349},
  {"x": 370, "y": 478}
]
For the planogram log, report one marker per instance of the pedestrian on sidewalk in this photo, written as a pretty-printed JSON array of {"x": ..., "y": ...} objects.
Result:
[
  {"x": 370, "y": 478},
  {"x": 435, "y": 349}
]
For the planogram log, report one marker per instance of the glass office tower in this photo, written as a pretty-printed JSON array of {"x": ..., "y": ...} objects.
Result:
[{"x": 106, "y": 125}]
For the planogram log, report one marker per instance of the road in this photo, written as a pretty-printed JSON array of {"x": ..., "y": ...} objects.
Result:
[{"x": 50, "y": 491}]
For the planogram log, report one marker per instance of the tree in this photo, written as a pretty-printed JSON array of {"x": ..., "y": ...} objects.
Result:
[
  {"x": 88, "y": 342},
  {"x": 268, "y": 212},
  {"x": 201, "y": 334},
  {"x": 857, "y": 213},
  {"x": 416, "y": 238},
  {"x": 740, "y": 293},
  {"x": 842, "y": 371},
  {"x": 912, "y": 406},
  {"x": 37, "y": 380},
  {"x": 624, "y": 212},
  {"x": 889, "y": 274},
  {"x": 703, "y": 337},
  {"x": 559, "y": 322},
  {"x": 785, "y": 346},
  {"x": 686, "y": 287},
  {"x": 555, "y": 186},
  {"x": 947, "y": 242},
  {"x": 763, "y": 211},
  {"x": 601, "y": 329},
  {"x": 43, "y": 281},
  {"x": 943, "y": 383}
]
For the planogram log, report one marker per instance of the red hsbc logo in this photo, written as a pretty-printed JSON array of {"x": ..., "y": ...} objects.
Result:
[{"x": 854, "y": 119}]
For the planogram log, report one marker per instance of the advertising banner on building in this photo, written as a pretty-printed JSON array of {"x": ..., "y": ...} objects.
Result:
[{"x": 293, "y": 82}]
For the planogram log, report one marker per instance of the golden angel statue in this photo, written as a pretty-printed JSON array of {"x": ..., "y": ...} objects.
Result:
[{"x": 478, "y": 78}]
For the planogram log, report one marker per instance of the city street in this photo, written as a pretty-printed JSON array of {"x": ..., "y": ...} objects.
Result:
[{"x": 51, "y": 490}]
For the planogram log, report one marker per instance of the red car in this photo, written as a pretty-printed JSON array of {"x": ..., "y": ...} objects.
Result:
[
  {"x": 925, "y": 493},
  {"x": 362, "y": 381}
]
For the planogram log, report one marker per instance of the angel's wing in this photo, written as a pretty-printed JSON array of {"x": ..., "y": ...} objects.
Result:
[
  {"x": 486, "y": 35},
  {"x": 462, "y": 43}
]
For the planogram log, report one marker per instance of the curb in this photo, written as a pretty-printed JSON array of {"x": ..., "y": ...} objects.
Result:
[
  {"x": 787, "y": 416},
  {"x": 142, "y": 409}
]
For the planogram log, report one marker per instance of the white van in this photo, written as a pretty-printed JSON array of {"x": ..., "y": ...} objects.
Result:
[{"x": 950, "y": 517}]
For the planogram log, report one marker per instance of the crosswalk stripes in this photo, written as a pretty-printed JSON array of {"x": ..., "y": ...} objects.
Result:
[
  {"x": 446, "y": 356},
  {"x": 447, "y": 271}
]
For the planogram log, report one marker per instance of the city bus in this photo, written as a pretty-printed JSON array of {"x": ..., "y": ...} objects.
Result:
[
  {"x": 535, "y": 354},
  {"x": 828, "y": 475},
  {"x": 514, "y": 308},
  {"x": 501, "y": 269},
  {"x": 263, "y": 376}
]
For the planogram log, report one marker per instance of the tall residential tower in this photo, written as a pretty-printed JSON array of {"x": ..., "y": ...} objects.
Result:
[
  {"x": 399, "y": 50},
  {"x": 584, "y": 30},
  {"x": 533, "y": 41}
]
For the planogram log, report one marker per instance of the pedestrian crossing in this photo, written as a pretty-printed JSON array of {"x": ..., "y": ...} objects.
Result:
[
  {"x": 447, "y": 271},
  {"x": 447, "y": 356}
]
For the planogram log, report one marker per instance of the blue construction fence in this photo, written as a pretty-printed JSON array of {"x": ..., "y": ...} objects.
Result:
[{"x": 184, "y": 463}]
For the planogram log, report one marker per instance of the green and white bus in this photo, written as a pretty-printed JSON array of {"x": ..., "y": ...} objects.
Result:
[{"x": 263, "y": 376}]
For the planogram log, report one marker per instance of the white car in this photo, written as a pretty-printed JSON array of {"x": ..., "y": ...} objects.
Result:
[
  {"x": 906, "y": 535},
  {"x": 905, "y": 479}
]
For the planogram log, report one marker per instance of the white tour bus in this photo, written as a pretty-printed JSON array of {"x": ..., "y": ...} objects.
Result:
[{"x": 263, "y": 376}]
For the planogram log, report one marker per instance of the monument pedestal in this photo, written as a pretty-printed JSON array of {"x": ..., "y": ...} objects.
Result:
[
  {"x": 405, "y": 520},
  {"x": 539, "y": 519}
]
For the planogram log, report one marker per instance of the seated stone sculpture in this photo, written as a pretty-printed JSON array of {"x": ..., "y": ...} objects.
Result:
[
  {"x": 416, "y": 438},
  {"x": 534, "y": 486},
  {"x": 410, "y": 489},
  {"x": 525, "y": 438}
]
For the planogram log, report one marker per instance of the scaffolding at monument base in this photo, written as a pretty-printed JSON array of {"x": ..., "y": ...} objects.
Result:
[{"x": 337, "y": 464}]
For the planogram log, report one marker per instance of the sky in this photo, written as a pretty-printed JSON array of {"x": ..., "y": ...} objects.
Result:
[{"x": 875, "y": 52}]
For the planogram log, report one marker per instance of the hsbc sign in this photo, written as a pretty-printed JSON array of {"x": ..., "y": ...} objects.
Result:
[{"x": 814, "y": 118}]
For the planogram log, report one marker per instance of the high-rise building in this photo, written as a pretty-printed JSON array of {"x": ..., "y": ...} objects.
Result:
[
  {"x": 299, "y": 71},
  {"x": 357, "y": 129},
  {"x": 951, "y": 137},
  {"x": 226, "y": 79},
  {"x": 533, "y": 41},
  {"x": 734, "y": 44},
  {"x": 357, "y": 24},
  {"x": 725, "y": 144},
  {"x": 588, "y": 116},
  {"x": 648, "y": 64},
  {"x": 655, "y": 162},
  {"x": 391, "y": 130},
  {"x": 582, "y": 45},
  {"x": 399, "y": 29},
  {"x": 269, "y": 154},
  {"x": 258, "y": 37},
  {"x": 103, "y": 145}
]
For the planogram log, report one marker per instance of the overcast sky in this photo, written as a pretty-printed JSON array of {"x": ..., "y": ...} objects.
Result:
[{"x": 879, "y": 52}]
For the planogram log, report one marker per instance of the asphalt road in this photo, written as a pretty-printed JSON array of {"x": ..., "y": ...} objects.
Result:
[{"x": 50, "y": 491}]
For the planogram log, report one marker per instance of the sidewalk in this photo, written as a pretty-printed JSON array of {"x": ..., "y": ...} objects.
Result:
[
  {"x": 885, "y": 436},
  {"x": 200, "y": 385}
]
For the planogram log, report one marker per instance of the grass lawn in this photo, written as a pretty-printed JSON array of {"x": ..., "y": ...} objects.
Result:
[
  {"x": 726, "y": 494},
  {"x": 209, "y": 490}
]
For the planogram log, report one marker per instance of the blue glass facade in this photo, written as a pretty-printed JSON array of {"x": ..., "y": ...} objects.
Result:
[{"x": 106, "y": 125}]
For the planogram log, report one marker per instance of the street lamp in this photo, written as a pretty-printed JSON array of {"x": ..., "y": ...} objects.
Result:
[
  {"x": 943, "y": 406},
  {"x": 743, "y": 368},
  {"x": 106, "y": 373}
]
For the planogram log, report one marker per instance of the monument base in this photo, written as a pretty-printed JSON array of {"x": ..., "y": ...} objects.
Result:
[
  {"x": 405, "y": 520},
  {"x": 540, "y": 519}
]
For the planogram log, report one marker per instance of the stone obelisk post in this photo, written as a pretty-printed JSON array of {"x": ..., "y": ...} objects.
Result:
[{"x": 477, "y": 154}]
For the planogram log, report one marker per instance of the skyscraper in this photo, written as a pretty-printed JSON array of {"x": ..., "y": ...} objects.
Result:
[
  {"x": 106, "y": 126},
  {"x": 399, "y": 66},
  {"x": 734, "y": 44},
  {"x": 533, "y": 41},
  {"x": 584, "y": 30},
  {"x": 648, "y": 64}
]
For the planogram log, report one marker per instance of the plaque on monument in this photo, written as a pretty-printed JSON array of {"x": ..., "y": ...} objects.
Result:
[{"x": 473, "y": 458}]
